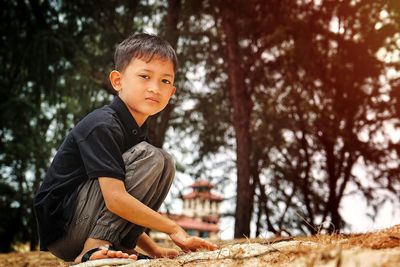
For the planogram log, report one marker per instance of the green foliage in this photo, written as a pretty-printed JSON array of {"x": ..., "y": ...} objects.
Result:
[
  {"x": 318, "y": 88},
  {"x": 9, "y": 221},
  {"x": 329, "y": 93},
  {"x": 55, "y": 57},
  {"x": 311, "y": 69}
]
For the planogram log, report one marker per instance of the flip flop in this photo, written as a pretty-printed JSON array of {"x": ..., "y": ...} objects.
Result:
[
  {"x": 141, "y": 256},
  {"x": 89, "y": 253}
]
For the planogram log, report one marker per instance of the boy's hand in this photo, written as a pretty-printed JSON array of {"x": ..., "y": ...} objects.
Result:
[
  {"x": 190, "y": 243},
  {"x": 153, "y": 249},
  {"x": 161, "y": 252}
]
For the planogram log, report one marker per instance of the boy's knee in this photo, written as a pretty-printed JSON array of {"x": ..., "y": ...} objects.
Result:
[
  {"x": 144, "y": 154},
  {"x": 169, "y": 161}
]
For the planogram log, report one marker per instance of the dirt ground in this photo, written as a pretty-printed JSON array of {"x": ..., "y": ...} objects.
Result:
[{"x": 380, "y": 248}]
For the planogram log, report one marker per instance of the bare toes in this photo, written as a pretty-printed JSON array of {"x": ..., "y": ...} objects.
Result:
[
  {"x": 111, "y": 253},
  {"x": 98, "y": 255},
  {"x": 105, "y": 253}
]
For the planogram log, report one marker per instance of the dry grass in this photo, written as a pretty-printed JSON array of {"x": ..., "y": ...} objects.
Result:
[
  {"x": 380, "y": 248},
  {"x": 30, "y": 259}
]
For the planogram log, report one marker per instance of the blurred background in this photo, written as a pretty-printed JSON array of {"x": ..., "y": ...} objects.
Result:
[{"x": 290, "y": 108}]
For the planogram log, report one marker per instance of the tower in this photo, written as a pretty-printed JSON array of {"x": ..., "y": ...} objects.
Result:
[{"x": 200, "y": 212}]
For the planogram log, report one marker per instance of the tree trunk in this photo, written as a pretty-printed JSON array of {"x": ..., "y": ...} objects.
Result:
[
  {"x": 332, "y": 206},
  {"x": 242, "y": 107},
  {"x": 34, "y": 239},
  {"x": 262, "y": 203}
]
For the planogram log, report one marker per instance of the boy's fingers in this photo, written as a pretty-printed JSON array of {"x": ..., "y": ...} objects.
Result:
[
  {"x": 171, "y": 254},
  {"x": 207, "y": 245},
  {"x": 195, "y": 243},
  {"x": 211, "y": 246}
]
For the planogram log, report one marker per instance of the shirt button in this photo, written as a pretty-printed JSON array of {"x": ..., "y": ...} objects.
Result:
[{"x": 134, "y": 132}]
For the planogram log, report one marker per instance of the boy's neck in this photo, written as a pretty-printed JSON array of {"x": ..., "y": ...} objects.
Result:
[
  {"x": 140, "y": 121},
  {"x": 138, "y": 118}
]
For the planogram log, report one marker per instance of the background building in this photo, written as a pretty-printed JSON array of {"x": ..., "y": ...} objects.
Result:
[{"x": 200, "y": 212}]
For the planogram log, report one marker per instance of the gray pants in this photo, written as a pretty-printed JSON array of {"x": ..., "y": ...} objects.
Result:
[{"x": 149, "y": 175}]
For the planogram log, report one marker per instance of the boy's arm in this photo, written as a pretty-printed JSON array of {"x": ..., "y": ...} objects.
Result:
[
  {"x": 149, "y": 246},
  {"x": 120, "y": 202}
]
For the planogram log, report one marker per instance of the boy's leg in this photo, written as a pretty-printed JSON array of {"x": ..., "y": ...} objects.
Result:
[
  {"x": 149, "y": 174},
  {"x": 153, "y": 196},
  {"x": 89, "y": 204}
]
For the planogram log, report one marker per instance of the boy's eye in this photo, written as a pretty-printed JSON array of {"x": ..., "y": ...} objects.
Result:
[
  {"x": 145, "y": 76},
  {"x": 166, "y": 81}
]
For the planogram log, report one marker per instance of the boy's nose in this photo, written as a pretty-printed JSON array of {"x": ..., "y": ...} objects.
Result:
[{"x": 154, "y": 87}]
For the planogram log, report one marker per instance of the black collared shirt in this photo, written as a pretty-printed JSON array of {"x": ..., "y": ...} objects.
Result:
[{"x": 92, "y": 149}]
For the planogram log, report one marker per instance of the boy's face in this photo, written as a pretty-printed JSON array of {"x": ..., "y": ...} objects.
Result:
[{"x": 145, "y": 87}]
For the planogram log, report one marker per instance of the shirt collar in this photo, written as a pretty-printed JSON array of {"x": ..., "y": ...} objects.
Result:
[{"x": 128, "y": 121}]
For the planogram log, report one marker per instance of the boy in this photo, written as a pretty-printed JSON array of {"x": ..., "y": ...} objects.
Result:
[{"x": 106, "y": 182}]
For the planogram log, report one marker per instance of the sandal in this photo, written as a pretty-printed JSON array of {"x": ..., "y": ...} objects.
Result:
[
  {"x": 89, "y": 253},
  {"x": 141, "y": 256}
]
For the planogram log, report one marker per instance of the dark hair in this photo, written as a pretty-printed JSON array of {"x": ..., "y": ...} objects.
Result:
[{"x": 143, "y": 46}]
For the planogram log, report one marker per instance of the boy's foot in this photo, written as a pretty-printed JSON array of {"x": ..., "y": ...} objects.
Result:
[{"x": 104, "y": 251}]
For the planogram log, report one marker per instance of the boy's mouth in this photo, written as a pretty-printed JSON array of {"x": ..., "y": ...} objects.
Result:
[{"x": 152, "y": 99}]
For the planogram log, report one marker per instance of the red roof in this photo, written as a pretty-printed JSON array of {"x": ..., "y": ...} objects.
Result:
[
  {"x": 192, "y": 224},
  {"x": 211, "y": 218},
  {"x": 203, "y": 195},
  {"x": 202, "y": 183}
]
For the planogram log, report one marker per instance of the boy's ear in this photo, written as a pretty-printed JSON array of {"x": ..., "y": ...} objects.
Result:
[
  {"x": 173, "y": 91},
  {"x": 115, "y": 79}
]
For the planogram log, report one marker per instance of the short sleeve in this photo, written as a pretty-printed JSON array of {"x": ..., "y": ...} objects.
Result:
[{"x": 101, "y": 153}]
